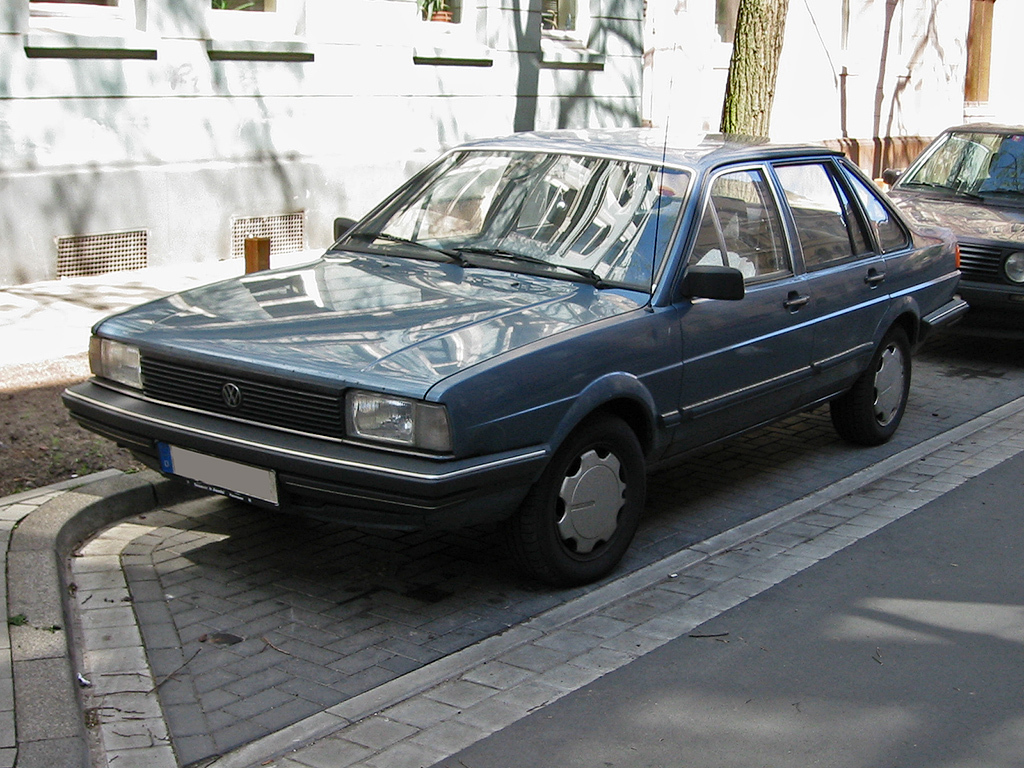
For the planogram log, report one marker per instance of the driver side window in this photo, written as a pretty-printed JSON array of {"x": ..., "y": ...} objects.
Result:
[{"x": 741, "y": 228}]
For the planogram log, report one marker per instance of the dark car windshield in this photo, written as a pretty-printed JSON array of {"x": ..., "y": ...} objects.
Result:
[
  {"x": 605, "y": 221},
  {"x": 973, "y": 164}
]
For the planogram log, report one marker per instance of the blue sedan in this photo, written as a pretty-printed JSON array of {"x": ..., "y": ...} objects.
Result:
[{"x": 522, "y": 329}]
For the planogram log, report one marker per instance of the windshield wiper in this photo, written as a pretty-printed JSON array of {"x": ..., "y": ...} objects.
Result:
[
  {"x": 503, "y": 254},
  {"x": 999, "y": 192},
  {"x": 943, "y": 187},
  {"x": 589, "y": 274},
  {"x": 450, "y": 254}
]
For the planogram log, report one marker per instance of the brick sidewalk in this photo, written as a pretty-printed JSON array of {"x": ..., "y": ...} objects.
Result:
[{"x": 253, "y": 625}]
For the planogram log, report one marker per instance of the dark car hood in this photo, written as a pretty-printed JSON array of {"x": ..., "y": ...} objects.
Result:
[
  {"x": 968, "y": 219},
  {"x": 393, "y": 325}
]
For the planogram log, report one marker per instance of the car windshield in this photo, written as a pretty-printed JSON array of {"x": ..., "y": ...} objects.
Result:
[
  {"x": 601, "y": 220},
  {"x": 974, "y": 164}
]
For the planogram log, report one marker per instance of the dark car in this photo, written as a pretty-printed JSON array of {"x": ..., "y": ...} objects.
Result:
[
  {"x": 520, "y": 331},
  {"x": 971, "y": 179}
]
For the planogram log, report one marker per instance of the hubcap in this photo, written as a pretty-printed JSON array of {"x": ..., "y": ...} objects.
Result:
[
  {"x": 889, "y": 380},
  {"x": 592, "y": 497}
]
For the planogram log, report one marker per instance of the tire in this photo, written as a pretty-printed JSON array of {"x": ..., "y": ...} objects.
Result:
[
  {"x": 600, "y": 467},
  {"x": 871, "y": 411}
]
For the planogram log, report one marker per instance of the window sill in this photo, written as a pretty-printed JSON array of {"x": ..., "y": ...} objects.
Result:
[
  {"x": 453, "y": 55},
  {"x": 258, "y": 50},
  {"x": 453, "y": 45},
  {"x": 568, "y": 53},
  {"x": 65, "y": 45}
]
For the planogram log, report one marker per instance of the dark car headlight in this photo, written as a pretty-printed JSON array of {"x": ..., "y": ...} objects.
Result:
[
  {"x": 115, "y": 361},
  {"x": 1013, "y": 267},
  {"x": 398, "y": 421}
]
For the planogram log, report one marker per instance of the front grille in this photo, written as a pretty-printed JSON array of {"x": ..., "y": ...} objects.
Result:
[
  {"x": 981, "y": 263},
  {"x": 279, "y": 405}
]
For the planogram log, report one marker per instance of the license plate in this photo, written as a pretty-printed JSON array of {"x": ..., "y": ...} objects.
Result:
[{"x": 228, "y": 478}]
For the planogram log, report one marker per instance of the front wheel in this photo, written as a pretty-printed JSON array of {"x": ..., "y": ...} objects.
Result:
[
  {"x": 872, "y": 410},
  {"x": 579, "y": 518}
]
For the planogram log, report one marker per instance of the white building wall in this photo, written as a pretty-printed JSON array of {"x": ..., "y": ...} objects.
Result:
[
  {"x": 139, "y": 123},
  {"x": 897, "y": 71},
  {"x": 1006, "y": 91},
  {"x": 685, "y": 66}
]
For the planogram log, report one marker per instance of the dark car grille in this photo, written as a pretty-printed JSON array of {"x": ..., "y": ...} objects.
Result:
[
  {"x": 279, "y": 405},
  {"x": 981, "y": 263}
]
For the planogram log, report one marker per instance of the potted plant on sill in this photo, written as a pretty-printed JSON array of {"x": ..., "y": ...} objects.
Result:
[{"x": 436, "y": 10}]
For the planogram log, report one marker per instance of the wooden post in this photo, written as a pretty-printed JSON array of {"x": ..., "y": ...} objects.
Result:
[
  {"x": 979, "y": 51},
  {"x": 257, "y": 254}
]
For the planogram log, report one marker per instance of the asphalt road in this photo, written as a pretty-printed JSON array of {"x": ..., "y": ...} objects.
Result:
[{"x": 902, "y": 650}]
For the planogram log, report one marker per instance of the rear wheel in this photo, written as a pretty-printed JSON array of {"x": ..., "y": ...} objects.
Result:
[
  {"x": 872, "y": 410},
  {"x": 580, "y": 516}
]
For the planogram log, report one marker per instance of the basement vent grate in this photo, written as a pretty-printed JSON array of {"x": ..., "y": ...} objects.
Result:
[
  {"x": 287, "y": 232},
  {"x": 84, "y": 255}
]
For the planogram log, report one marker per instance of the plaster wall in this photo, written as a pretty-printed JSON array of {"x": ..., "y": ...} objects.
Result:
[
  {"x": 171, "y": 120},
  {"x": 1006, "y": 95},
  {"x": 891, "y": 69}
]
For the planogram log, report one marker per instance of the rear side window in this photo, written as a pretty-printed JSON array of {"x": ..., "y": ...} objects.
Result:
[
  {"x": 826, "y": 222},
  {"x": 741, "y": 228},
  {"x": 888, "y": 231}
]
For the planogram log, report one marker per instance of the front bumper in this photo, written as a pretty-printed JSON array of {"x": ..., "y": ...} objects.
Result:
[
  {"x": 992, "y": 295},
  {"x": 321, "y": 478}
]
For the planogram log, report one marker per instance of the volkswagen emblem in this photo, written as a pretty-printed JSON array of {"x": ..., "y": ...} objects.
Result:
[{"x": 231, "y": 395}]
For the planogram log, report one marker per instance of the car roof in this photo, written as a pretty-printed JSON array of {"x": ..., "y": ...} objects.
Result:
[
  {"x": 986, "y": 128},
  {"x": 650, "y": 146}
]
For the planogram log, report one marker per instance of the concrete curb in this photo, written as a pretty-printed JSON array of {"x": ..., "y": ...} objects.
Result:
[{"x": 48, "y": 713}]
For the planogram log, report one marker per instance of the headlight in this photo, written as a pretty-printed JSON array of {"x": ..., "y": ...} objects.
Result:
[
  {"x": 116, "y": 361},
  {"x": 1014, "y": 267},
  {"x": 398, "y": 420}
]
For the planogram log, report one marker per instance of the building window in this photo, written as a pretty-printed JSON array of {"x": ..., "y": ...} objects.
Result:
[
  {"x": 559, "y": 14},
  {"x": 83, "y": 17},
  {"x": 244, "y": 5},
  {"x": 256, "y": 19},
  {"x": 441, "y": 10},
  {"x": 565, "y": 36}
]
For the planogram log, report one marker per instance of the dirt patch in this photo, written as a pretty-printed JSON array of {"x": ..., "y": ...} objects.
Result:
[{"x": 41, "y": 444}]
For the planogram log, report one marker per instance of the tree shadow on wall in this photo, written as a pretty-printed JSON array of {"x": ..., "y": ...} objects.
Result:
[
  {"x": 620, "y": 27},
  {"x": 889, "y": 108}
]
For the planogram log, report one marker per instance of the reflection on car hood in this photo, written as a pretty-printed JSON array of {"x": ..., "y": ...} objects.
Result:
[
  {"x": 967, "y": 218},
  {"x": 394, "y": 325}
]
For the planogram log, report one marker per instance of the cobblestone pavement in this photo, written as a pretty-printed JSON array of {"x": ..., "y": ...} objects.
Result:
[{"x": 252, "y": 623}]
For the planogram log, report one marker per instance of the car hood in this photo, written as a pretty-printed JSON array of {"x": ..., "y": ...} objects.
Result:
[
  {"x": 389, "y": 324},
  {"x": 967, "y": 219}
]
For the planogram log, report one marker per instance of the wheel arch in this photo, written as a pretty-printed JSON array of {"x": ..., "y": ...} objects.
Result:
[
  {"x": 908, "y": 317},
  {"x": 621, "y": 395}
]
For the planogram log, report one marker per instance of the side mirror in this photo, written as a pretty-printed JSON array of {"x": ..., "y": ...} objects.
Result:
[
  {"x": 713, "y": 282},
  {"x": 342, "y": 225},
  {"x": 891, "y": 175}
]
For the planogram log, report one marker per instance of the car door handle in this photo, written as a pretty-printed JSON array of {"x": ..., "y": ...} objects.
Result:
[
  {"x": 874, "y": 277},
  {"x": 795, "y": 301}
]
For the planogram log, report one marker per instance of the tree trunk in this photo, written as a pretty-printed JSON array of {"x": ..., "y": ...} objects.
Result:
[{"x": 750, "y": 89}]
